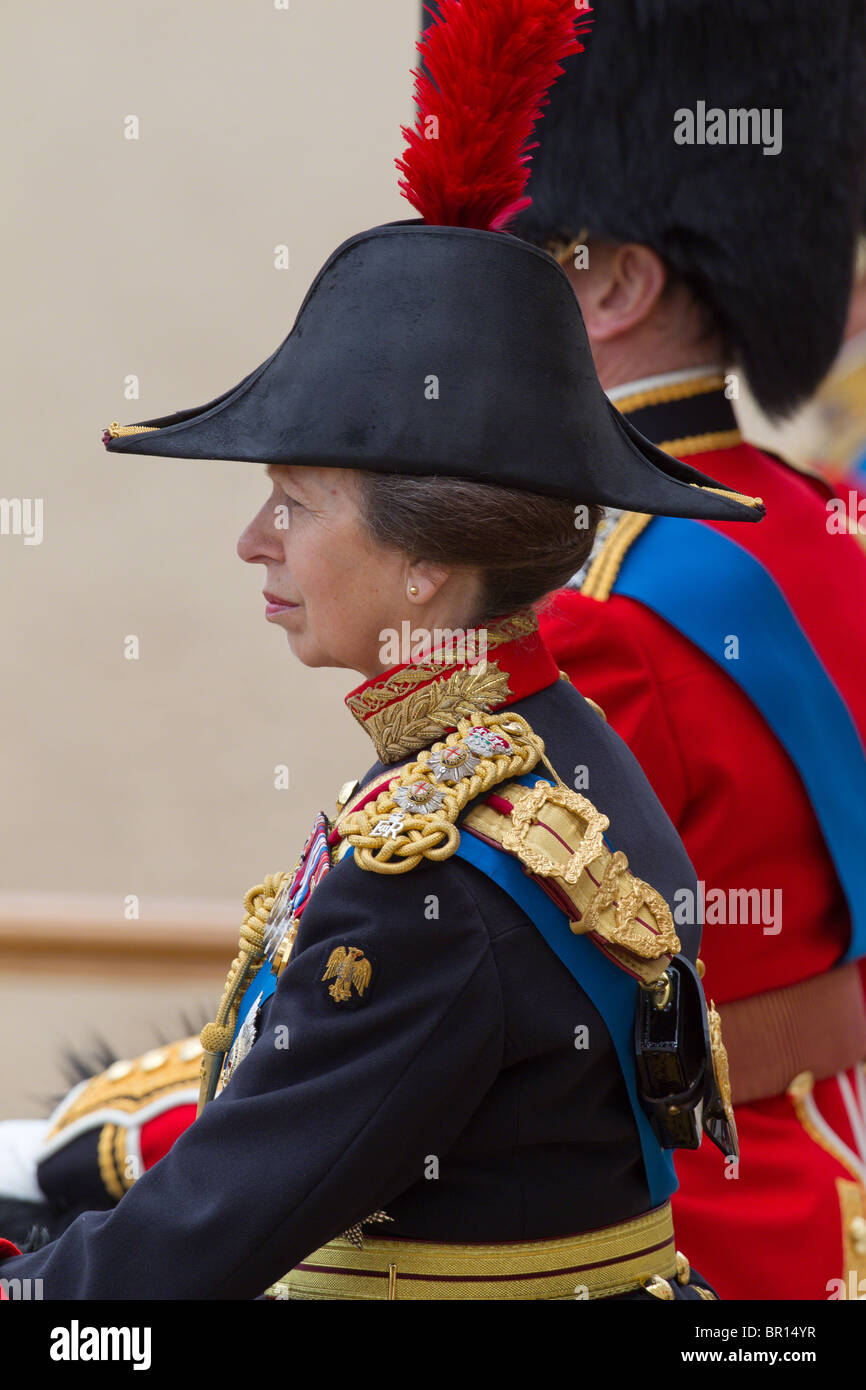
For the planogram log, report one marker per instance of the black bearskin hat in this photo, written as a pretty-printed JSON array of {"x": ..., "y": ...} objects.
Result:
[{"x": 766, "y": 240}]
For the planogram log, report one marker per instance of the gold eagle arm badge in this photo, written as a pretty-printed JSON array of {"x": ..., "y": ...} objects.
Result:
[{"x": 349, "y": 968}]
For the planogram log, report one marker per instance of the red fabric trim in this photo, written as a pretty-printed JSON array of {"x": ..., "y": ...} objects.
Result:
[
  {"x": 529, "y": 665},
  {"x": 7, "y": 1251},
  {"x": 158, "y": 1134},
  {"x": 526, "y": 661}
]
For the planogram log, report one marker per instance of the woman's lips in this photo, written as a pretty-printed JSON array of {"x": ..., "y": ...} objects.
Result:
[{"x": 274, "y": 605}]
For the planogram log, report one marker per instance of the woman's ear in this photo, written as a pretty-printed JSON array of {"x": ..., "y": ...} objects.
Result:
[{"x": 424, "y": 580}]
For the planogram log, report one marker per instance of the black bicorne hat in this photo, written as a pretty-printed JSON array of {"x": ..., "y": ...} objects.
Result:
[
  {"x": 440, "y": 350},
  {"x": 766, "y": 240},
  {"x": 444, "y": 350}
]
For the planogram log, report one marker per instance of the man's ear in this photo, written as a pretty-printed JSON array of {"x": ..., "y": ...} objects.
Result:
[{"x": 619, "y": 289}]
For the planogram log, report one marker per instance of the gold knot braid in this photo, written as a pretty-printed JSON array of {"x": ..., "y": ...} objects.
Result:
[
  {"x": 434, "y": 835},
  {"x": 216, "y": 1037}
]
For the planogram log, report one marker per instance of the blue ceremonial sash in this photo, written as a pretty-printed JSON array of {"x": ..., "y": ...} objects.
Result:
[
  {"x": 610, "y": 989},
  {"x": 265, "y": 982},
  {"x": 705, "y": 585}
]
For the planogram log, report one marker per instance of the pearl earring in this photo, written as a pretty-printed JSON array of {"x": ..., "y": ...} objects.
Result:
[{"x": 413, "y": 588}]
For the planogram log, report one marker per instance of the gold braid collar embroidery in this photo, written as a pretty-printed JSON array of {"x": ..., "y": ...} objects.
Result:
[
  {"x": 410, "y": 708},
  {"x": 407, "y": 724}
]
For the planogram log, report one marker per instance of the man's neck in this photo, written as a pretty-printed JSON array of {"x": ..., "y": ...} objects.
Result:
[
  {"x": 623, "y": 363},
  {"x": 649, "y": 383}
]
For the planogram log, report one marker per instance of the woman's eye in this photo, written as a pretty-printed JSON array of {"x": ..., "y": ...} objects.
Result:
[{"x": 283, "y": 499}]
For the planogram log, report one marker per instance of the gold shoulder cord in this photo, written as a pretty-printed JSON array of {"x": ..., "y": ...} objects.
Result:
[
  {"x": 216, "y": 1037},
  {"x": 400, "y": 846}
]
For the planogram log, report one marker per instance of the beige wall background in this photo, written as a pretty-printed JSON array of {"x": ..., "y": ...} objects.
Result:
[{"x": 258, "y": 126}]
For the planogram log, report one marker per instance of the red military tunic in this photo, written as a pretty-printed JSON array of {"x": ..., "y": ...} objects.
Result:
[{"x": 793, "y": 1219}]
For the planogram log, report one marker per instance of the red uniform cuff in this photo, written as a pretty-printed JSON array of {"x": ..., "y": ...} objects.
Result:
[{"x": 7, "y": 1250}]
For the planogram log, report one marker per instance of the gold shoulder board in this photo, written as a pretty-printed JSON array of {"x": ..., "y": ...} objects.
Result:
[{"x": 559, "y": 834}]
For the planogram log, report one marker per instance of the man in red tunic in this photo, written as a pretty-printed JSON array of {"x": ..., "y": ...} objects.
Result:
[{"x": 699, "y": 178}]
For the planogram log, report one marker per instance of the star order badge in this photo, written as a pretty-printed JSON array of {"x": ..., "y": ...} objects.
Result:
[
  {"x": 243, "y": 1042},
  {"x": 350, "y": 971}
]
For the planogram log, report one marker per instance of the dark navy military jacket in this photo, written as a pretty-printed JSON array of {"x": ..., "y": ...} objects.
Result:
[{"x": 462, "y": 1050}]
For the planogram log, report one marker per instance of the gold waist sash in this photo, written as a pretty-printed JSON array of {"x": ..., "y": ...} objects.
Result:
[{"x": 597, "y": 1264}]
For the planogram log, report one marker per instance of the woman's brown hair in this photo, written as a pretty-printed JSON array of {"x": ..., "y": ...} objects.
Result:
[{"x": 523, "y": 545}]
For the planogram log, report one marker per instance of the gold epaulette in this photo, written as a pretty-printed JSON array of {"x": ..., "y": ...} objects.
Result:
[
  {"x": 414, "y": 816},
  {"x": 559, "y": 835}
]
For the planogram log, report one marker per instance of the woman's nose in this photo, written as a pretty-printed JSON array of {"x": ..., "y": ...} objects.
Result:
[{"x": 258, "y": 542}]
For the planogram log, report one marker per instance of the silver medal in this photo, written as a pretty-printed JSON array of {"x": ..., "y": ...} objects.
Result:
[
  {"x": 279, "y": 920},
  {"x": 244, "y": 1040}
]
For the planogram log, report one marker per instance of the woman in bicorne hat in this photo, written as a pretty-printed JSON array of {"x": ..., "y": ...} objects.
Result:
[{"x": 425, "y": 1078}]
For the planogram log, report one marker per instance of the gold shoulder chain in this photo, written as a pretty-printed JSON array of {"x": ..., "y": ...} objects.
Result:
[
  {"x": 414, "y": 817},
  {"x": 216, "y": 1037}
]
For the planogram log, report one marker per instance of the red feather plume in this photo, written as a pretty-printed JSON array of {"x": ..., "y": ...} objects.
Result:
[{"x": 489, "y": 65}]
